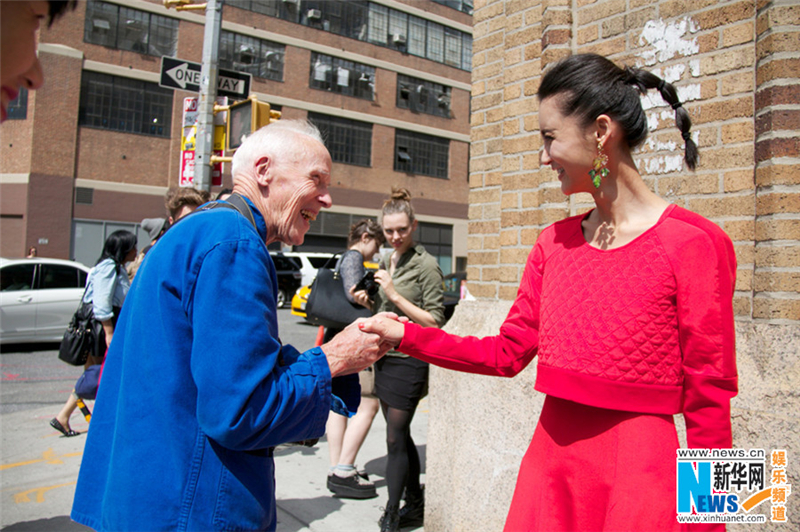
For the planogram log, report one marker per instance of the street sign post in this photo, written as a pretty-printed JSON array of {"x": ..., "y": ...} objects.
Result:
[{"x": 185, "y": 75}]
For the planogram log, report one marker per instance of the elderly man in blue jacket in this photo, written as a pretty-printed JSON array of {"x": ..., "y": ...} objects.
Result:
[{"x": 197, "y": 386}]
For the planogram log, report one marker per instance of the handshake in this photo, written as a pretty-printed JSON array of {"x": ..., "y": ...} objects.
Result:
[{"x": 363, "y": 342}]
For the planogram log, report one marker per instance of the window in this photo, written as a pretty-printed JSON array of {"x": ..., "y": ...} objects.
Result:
[
  {"x": 423, "y": 96},
  {"x": 18, "y": 107},
  {"x": 416, "y": 153},
  {"x": 341, "y": 76},
  {"x": 60, "y": 276},
  {"x": 123, "y": 104},
  {"x": 262, "y": 59},
  {"x": 375, "y": 23},
  {"x": 348, "y": 141},
  {"x": 17, "y": 277},
  {"x": 465, "y": 6},
  {"x": 123, "y": 28},
  {"x": 438, "y": 241}
]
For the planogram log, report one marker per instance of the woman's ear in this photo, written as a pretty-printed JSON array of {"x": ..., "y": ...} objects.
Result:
[{"x": 603, "y": 128}]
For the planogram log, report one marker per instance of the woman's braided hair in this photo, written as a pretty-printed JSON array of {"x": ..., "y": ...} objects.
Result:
[{"x": 590, "y": 85}]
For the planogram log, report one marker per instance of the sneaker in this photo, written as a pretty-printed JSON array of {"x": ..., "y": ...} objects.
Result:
[
  {"x": 412, "y": 513},
  {"x": 352, "y": 486}
]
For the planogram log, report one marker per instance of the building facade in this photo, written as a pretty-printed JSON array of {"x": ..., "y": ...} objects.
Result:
[
  {"x": 96, "y": 149},
  {"x": 736, "y": 65}
]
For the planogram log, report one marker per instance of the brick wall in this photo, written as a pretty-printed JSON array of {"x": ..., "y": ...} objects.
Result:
[{"x": 735, "y": 64}]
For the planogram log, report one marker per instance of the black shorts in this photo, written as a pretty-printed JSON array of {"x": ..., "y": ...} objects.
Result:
[{"x": 401, "y": 382}]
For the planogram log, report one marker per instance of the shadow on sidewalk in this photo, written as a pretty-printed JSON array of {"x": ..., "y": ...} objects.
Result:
[{"x": 62, "y": 523}]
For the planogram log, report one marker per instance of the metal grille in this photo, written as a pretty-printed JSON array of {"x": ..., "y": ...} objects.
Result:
[
  {"x": 122, "y": 104},
  {"x": 348, "y": 141},
  {"x": 124, "y": 28},
  {"x": 84, "y": 195},
  {"x": 341, "y": 76},
  {"x": 416, "y": 153}
]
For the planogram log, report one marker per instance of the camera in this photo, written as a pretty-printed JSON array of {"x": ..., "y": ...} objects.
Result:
[{"x": 369, "y": 284}]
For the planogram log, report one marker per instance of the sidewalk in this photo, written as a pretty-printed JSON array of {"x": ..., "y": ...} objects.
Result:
[{"x": 39, "y": 468}]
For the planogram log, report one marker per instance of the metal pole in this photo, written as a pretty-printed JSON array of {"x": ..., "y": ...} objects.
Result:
[{"x": 208, "y": 93}]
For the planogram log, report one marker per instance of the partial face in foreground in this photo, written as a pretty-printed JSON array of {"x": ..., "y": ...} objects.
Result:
[
  {"x": 19, "y": 65},
  {"x": 297, "y": 190}
]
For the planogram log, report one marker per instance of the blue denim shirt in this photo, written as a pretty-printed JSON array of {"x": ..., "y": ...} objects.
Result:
[
  {"x": 197, "y": 388},
  {"x": 106, "y": 288}
]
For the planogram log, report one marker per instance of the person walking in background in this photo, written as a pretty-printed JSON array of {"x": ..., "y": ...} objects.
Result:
[
  {"x": 198, "y": 388},
  {"x": 346, "y": 437},
  {"x": 182, "y": 201},
  {"x": 629, "y": 308},
  {"x": 155, "y": 228},
  {"x": 107, "y": 286},
  {"x": 410, "y": 285},
  {"x": 19, "y": 64},
  {"x": 32, "y": 253}
]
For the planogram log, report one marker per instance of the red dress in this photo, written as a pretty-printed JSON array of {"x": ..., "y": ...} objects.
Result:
[{"x": 625, "y": 338}]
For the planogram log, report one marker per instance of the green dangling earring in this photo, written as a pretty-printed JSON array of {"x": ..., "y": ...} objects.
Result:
[{"x": 599, "y": 171}]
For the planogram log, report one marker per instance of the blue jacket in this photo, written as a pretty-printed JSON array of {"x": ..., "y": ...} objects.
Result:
[{"x": 193, "y": 395}]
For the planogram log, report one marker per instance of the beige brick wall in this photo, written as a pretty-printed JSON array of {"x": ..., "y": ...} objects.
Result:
[{"x": 736, "y": 65}]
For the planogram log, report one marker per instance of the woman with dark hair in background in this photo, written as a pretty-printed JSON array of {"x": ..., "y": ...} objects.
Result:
[
  {"x": 106, "y": 288},
  {"x": 629, "y": 308},
  {"x": 346, "y": 437},
  {"x": 410, "y": 285}
]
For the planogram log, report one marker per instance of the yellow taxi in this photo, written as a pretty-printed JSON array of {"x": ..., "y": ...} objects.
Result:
[{"x": 300, "y": 297}]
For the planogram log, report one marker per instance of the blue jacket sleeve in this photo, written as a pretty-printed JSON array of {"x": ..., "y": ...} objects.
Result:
[{"x": 246, "y": 398}]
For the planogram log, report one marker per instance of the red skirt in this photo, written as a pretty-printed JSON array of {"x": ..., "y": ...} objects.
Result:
[{"x": 592, "y": 469}]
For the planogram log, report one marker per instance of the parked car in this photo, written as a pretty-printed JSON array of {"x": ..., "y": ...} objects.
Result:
[
  {"x": 38, "y": 298},
  {"x": 289, "y": 277},
  {"x": 309, "y": 263},
  {"x": 452, "y": 291}
]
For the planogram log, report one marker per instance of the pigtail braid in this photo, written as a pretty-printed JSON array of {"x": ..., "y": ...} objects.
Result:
[{"x": 644, "y": 80}]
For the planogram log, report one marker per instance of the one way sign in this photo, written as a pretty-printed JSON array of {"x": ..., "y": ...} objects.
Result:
[{"x": 185, "y": 75}]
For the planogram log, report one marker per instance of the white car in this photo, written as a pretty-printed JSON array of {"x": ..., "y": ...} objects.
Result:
[
  {"x": 309, "y": 263},
  {"x": 38, "y": 298}
]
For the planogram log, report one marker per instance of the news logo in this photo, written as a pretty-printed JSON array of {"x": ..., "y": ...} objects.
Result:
[{"x": 726, "y": 485}]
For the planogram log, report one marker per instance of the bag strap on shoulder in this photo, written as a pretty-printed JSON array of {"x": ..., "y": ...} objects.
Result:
[{"x": 234, "y": 201}]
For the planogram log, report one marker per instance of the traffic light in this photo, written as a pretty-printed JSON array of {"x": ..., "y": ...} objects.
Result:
[{"x": 245, "y": 117}]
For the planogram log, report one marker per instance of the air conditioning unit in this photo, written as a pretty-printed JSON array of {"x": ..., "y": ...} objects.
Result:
[
  {"x": 290, "y": 2},
  {"x": 398, "y": 39},
  {"x": 314, "y": 14},
  {"x": 444, "y": 101},
  {"x": 247, "y": 54}
]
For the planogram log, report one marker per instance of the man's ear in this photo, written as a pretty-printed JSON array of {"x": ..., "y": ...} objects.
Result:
[{"x": 263, "y": 173}]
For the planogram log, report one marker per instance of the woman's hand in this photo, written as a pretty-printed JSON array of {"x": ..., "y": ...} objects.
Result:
[
  {"x": 388, "y": 325},
  {"x": 108, "y": 327},
  {"x": 361, "y": 297},
  {"x": 383, "y": 278}
]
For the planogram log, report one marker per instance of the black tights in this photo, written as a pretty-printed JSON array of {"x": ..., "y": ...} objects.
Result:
[{"x": 402, "y": 467}]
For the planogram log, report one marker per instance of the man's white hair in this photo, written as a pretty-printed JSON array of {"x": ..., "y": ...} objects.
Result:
[{"x": 278, "y": 139}]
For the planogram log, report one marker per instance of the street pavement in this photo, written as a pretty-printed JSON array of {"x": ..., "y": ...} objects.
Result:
[{"x": 39, "y": 469}]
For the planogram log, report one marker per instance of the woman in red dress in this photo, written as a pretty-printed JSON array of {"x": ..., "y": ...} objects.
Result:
[{"x": 629, "y": 309}]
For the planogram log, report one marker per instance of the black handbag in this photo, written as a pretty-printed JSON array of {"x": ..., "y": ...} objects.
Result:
[
  {"x": 81, "y": 337},
  {"x": 327, "y": 303}
]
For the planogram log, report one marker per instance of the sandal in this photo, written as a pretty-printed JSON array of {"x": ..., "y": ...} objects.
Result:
[{"x": 60, "y": 428}]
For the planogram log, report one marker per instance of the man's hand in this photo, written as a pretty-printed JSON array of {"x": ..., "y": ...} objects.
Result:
[
  {"x": 387, "y": 325},
  {"x": 351, "y": 350}
]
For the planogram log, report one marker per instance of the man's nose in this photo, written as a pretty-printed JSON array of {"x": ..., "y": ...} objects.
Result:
[
  {"x": 325, "y": 199},
  {"x": 33, "y": 78}
]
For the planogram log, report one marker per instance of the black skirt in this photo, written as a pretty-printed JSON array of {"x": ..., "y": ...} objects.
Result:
[{"x": 401, "y": 382}]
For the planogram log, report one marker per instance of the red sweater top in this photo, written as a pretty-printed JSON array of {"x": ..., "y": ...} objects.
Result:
[{"x": 646, "y": 327}]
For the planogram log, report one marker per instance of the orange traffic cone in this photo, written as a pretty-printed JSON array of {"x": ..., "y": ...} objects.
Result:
[{"x": 320, "y": 336}]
